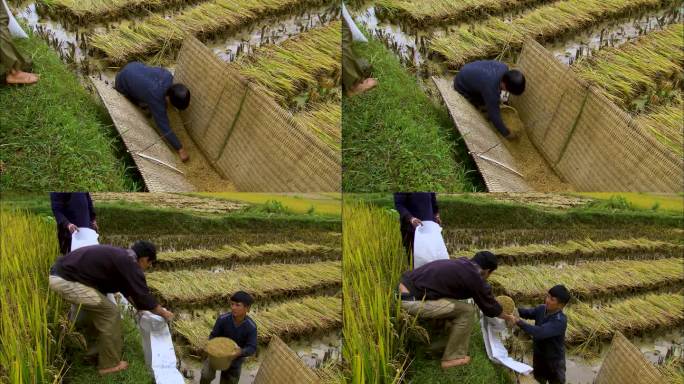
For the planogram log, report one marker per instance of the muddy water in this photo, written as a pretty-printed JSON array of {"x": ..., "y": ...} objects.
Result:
[
  {"x": 614, "y": 33},
  {"x": 580, "y": 370},
  {"x": 313, "y": 351},
  {"x": 411, "y": 44}
]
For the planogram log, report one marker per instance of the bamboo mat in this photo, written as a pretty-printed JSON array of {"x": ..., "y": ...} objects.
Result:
[
  {"x": 496, "y": 164},
  {"x": 624, "y": 363},
  {"x": 144, "y": 143},
  {"x": 282, "y": 365}
]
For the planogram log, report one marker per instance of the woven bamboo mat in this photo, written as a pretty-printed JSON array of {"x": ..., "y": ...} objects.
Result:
[
  {"x": 624, "y": 363},
  {"x": 246, "y": 135},
  {"x": 588, "y": 140},
  {"x": 282, "y": 365},
  {"x": 154, "y": 159},
  {"x": 498, "y": 167}
]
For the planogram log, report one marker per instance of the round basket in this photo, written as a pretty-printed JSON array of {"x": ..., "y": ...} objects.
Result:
[
  {"x": 220, "y": 351},
  {"x": 507, "y": 303}
]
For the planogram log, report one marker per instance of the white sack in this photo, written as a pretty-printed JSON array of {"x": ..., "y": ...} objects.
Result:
[
  {"x": 492, "y": 327},
  {"x": 428, "y": 244},
  {"x": 160, "y": 356},
  {"x": 83, "y": 238},
  {"x": 357, "y": 35},
  {"x": 14, "y": 27}
]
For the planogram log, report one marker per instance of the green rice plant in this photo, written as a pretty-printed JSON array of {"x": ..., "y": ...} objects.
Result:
[
  {"x": 197, "y": 287},
  {"x": 285, "y": 70},
  {"x": 636, "y": 68},
  {"x": 491, "y": 36},
  {"x": 373, "y": 327},
  {"x": 30, "y": 314},
  {"x": 290, "y": 319},
  {"x": 431, "y": 11},
  {"x": 588, "y": 280},
  {"x": 148, "y": 36},
  {"x": 230, "y": 255},
  {"x": 325, "y": 120},
  {"x": 574, "y": 250},
  {"x": 632, "y": 315},
  {"x": 665, "y": 123}
]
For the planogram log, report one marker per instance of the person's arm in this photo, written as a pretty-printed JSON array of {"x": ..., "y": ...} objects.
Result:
[
  {"x": 494, "y": 113},
  {"x": 400, "y": 200},
  {"x": 552, "y": 328},
  {"x": 158, "y": 110},
  {"x": 527, "y": 313},
  {"x": 57, "y": 202},
  {"x": 135, "y": 286},
  {"x": 250, "y": 348},
  {"x": 486, "y": 301}
]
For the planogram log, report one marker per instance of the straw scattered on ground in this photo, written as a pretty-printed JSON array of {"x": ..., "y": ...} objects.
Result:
[
  {"x": 587, "y": 249},
  {"x": 230, "y": 254},
  {"x": 198, "y": 287},
  {"x": 588, "y": 280},
  {"x": 493, "y": 35},
  {"x": 325, "y": 120},
  {"x": 665, "y": 122}
]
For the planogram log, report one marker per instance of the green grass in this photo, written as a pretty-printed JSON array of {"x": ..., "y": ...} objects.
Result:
[
  {"x": 395, "y": 138},
  {"x": 54, "y": 136},
  {"x": 646, "y": 201},
  {"x": 81, "y": 373},
  {"x": 297, "y": 203},
  {"x": 480, "y": 370}
]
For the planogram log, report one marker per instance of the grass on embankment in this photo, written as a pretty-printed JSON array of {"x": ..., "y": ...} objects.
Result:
[
  {"x": 54, "y": 136},
  {"x": 426, "y": 369},
  {"x": 395, "y": 138},
  {"x": 81, "y": 372},
  {"x": 296, "y": 203}
]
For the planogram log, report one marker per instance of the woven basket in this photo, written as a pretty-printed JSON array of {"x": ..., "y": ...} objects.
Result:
[{"x": 221, "y": 351}]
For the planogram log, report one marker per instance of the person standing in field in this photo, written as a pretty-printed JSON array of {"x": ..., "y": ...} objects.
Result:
[
  {"x": 153, "y": 88},
  {"x": 238, "y": 327},
  {"x": 548, "y": 335},
  {"x": 414, "y": 208},
  {"x": 84, "y": 276},
  {"x": 12, "y": 62},
  {"x": 72, "y": 210},
  {"x": 481, "y": 82},
  {"x": 435, "y": 291}
]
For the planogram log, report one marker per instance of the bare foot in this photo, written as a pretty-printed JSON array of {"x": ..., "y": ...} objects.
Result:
[
  {"x": 363, "y": 86},
  {"x": 446, "y": 364},
  {"x": 19, "y": 77},
  {"x": 123, "y": 365},
  {"x": 183, "y": 155}
]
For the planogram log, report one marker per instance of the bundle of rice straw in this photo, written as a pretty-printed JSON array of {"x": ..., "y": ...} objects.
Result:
[
  {"x": 507, "y": 303},
  {"x": 221, "y": 351}
]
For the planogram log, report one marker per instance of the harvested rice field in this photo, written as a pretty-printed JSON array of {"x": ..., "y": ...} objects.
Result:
[
  {"x": 621, "y": 261},
  {"x": 208, "y": 248},
  {"x": 630, "y": 51},
  {"x": 287, "y": 48}
]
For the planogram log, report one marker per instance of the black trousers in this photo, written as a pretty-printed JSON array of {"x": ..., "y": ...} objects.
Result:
[
  {"x": 548, "y": 371},
  {"x": 408, "y": 233},
  {"x": 64, "y": 240}
]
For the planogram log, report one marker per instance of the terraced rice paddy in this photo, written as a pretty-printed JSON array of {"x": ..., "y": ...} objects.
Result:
[{"x": 632, "y": 285}]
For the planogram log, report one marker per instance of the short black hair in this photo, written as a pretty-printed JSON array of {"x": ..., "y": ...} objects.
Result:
[
  {"x": 144, "y": 248},
  {"x": 486, "y": 260},
  {"x": 179, "y": 95},
  {"x": 560, "y": 293},
  {"x": 242, "y": 297},
  {"x": 514, "y": 81}
]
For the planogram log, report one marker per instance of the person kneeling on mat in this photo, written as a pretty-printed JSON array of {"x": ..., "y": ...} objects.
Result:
[
  {"x": 238, "y": 327},
  {"x": 434, "y": 291},
  {"x": 153, "y": 88},
  {"x": 481, "y": 82},
  {"x": 86, "y": 275}
]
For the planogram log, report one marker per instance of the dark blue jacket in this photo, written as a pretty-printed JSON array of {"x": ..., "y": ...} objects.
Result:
[
  {"x": 422, "y": 205},
  {"x": 75, "y": 208},
  {"x": 548, "y": 332},
  {"x": 145, "y": 85},
  {"x": 480, "y": 82},
  {"x": 244, "y": 335}
]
